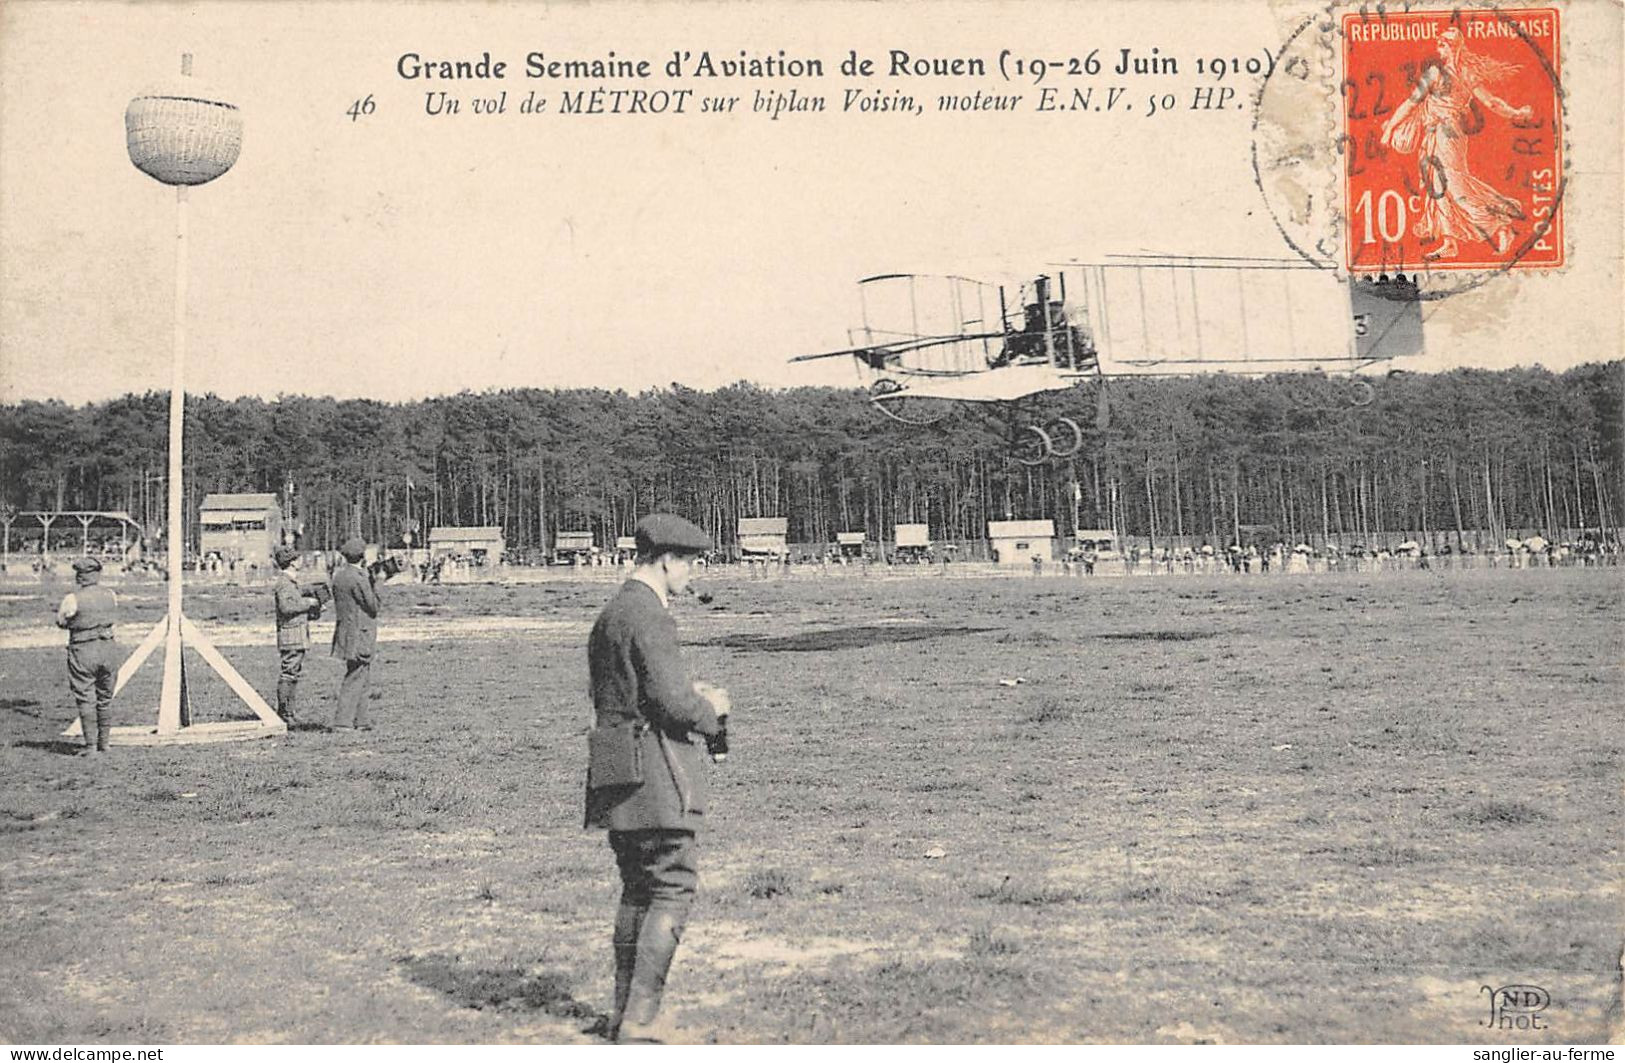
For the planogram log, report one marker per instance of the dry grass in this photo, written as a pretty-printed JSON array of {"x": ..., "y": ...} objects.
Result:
[{"x": 1275, "y": 809}]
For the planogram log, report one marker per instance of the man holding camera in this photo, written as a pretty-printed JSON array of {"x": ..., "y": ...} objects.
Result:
[
  {"x": 355, "y": 634},
  {"x": 646, "y": 781},
  {"x": 294, "y": 611}
]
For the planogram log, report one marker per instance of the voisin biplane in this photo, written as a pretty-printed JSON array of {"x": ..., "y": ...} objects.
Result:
[{"x": 928, "y": 342}]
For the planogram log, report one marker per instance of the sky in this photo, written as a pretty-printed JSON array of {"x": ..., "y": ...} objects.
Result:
[{"x": 397, "y": 255}]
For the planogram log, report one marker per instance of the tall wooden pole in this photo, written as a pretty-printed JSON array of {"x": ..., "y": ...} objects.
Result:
[{"x": 169, "y": 704}]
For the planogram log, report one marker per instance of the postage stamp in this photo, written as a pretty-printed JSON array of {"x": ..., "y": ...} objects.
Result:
[{"x": 1452, "y": 140}]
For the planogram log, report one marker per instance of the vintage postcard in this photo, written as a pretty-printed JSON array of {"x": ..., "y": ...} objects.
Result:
[{"x": 1120, "y": 504}]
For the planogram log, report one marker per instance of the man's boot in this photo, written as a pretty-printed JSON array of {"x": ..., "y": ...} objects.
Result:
[
  {"x": 657, "y": 944},
  {"x": 104, "y": 732},
  {"x": 284, "y": 704},
  {"x": 628, "y": 922},
  {"x": 90, "y": 731}
]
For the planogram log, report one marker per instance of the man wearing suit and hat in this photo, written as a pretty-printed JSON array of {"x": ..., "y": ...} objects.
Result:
[
  {"x": 88, "y": 614},
  {"x": 294, "y": 611},
  {"x": 355, "y": 635},
  {"x": 646, "y": 773}
]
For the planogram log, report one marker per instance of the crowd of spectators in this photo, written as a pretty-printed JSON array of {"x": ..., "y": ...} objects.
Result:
[
  {"x": 1090, "y": 559},
  {"x": 1278, "y": 557}
]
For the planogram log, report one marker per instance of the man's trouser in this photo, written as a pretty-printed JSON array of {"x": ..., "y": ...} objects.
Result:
[
  {"x": 353, "y": 693},
  {"x": 658, "y": 881},
  {"x": 92, "y": 671},
  {"x": 287, "y": 683}
]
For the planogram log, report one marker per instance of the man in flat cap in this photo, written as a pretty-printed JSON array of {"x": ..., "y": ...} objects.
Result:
[
  {"x": 294, "y": 611},
  {"x": 646, "y": 773},
  {"x": 88, "y": 614},
  {"x": 355, "y": 634}
]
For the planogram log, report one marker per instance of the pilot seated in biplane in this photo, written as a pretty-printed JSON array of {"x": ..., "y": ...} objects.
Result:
[{"x": 1045, "y": 329}]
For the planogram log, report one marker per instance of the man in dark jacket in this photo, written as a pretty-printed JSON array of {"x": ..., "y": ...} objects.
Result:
[
  {"x": 355, "y": 635},
  {"x": 294, "y": 610},
  {"x": 646, "y": 780},
  {"x": 93, "y": 660}
]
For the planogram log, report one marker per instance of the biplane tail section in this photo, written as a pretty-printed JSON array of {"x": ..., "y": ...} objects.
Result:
[{"x": 1387, "y": 314}]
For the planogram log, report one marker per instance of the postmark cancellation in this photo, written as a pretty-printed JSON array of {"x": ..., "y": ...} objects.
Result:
[{"x": 1425, "y": 141}]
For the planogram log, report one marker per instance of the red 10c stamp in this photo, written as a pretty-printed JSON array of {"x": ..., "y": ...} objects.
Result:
[{"x": 1453, "y": 140}]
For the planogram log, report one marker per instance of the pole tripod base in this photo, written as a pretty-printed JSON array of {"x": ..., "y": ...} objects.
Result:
[
  {"x": 222, "y": 731},
  {"x": 174, "y": 725}
]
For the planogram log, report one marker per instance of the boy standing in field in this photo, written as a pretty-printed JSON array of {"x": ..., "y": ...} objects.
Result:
[
  {"x": 88, "y": 614},
  {"x": 646, "y": 779}
]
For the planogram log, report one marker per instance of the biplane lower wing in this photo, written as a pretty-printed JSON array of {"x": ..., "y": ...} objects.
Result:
[
  {"x": 1007, "y": 385},
  {"x": 875, "y": 354}
]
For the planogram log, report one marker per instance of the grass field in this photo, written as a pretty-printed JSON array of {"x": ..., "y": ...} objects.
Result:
[{"x": 1323, "y": 809}]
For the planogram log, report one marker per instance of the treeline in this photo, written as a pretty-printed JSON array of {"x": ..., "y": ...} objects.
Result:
[{"x": 1199, "y": 458}]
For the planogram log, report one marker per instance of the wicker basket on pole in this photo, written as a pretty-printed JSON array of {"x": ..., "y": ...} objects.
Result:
[{"x": 184, "y": 135}]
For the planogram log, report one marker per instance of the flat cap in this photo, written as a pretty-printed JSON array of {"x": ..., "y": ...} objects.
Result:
[
  {"x": 667, "y": 533},
  {"x": 353, "y": 549},
  {"x": 85, "y": 565},
  {"x": 284, "y": 556}
]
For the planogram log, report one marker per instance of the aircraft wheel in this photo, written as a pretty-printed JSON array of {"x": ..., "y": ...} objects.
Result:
[
  {"x": 1032, "y": 446},
  {"x": 1058, "y": 433},
  {"x": 1361, "y": 393}
]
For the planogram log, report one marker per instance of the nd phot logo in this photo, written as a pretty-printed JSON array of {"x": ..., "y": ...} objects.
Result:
[{"x": 1517, "y": 1007}]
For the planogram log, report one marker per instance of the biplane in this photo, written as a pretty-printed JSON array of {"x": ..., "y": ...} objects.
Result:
[{"x": 928, "y": 342}]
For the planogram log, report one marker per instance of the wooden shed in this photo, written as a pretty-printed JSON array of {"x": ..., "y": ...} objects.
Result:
[
  {"x": 764, "y": 536},
  {"x": 240, "y": 527},
  {"x": 573, "y": 547},
  {"x": 1017, "y": 542},
  {"x": 913, "y": 542},
  {"x": 850, "y": 544},
  {"x": 482, "y": 543}
]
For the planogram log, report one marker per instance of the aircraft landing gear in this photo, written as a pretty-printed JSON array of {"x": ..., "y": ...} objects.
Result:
[
  {"x": 1066, "y": 438},
  {"x": 1035, "y": 444},
  {"x": 1032, "y": 446}
]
